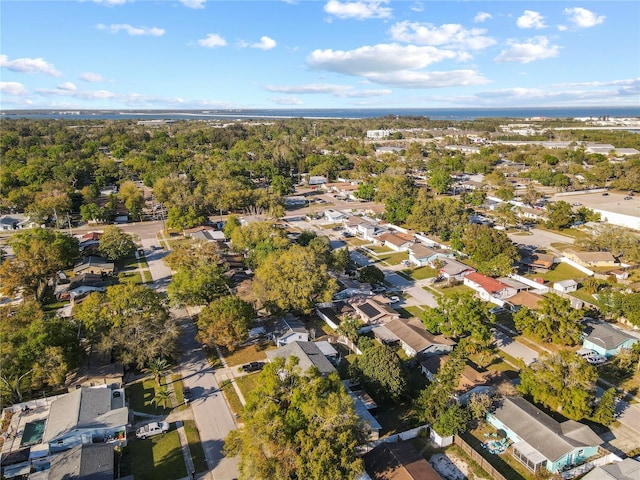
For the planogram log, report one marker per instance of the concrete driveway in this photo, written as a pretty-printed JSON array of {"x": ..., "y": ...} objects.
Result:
[
  {"x": 539, "y": 238},
  {"x": 508, "y": 345}
]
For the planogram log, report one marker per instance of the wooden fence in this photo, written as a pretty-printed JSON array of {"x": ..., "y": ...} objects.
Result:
[{"x": 479, "y": 459}]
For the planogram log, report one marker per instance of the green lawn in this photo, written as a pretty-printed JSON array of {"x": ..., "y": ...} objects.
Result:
[
  {"x": 415, "y": 311},
  {"x": 156, "y": 458},
  {"x": 249, "y": 353},
  {"x": 358, "y": 242},
  {"x": 421, "y": 273},
  {"x": 130, "y": 277},
  {"x": 380, "y": 250},
  {"x": 582, "y": 294},
  {"x": 232, "y": 398},
  {"x": 147, "y": 276},
  {"x": 197, "y": 453},
  {"x": 455, "y": 290},
  {"x": 562, "y": 271},
  {"x": 140, "y": 396},
  {"x": 395, "y": 258},
  {"x": 247, "y": 383}
]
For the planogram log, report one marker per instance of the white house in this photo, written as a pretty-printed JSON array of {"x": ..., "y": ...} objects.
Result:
[
  {"x": 566, "y": 286},
  {"x": 395, "y": 242},
  {"x": 489, "y": 288}
]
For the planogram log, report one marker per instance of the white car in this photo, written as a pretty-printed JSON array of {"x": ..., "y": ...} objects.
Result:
[
  {"x": 591, "y": 356},
  {"x": 153, "y": 428},
  {"x": 394, "y": 299}
]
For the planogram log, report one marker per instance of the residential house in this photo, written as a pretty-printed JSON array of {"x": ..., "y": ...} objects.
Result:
[
  {"x": 488, "y": 288},
  {"x": 365, "y": 414},
  {"x": 421, "y": 255},
  {"x": 94, "y": 264},
  {"x": 414, "y": 337},
  {"x": 525, "y": 299},
  {"x": 329, "y": 316},
  {"x": 619, "y": 275},
  {"x": 539, "y": 440},
  {"x": 87, "y": 415},
  {"x": 455, "y": 270},
  {"x": 361, "y": 227},
  {"x": 592, "y": 259},
  {"x": 82, "y": 462},
  {"x": 538, "y": 262},
  {"x": 289, "y": 329},
  {"x": 373, "y": 312},
  {"x": 398, "y": 461},
  {"x": 536, "y": 214},
  {"x": 605, "y": 339},
  {"x": 308, "y": 354},
  {"x": 378, "y": 133},
  {"x": 516, "y": 284},
  {"x": 627, "y": 469},
  {"x": 566, "y": 286},
  {"x": 396, "y": 242},
  {"x": 335, "y": 216},
  {"x": 469, "y": 378},
  {"x": 15, "y": 221}
]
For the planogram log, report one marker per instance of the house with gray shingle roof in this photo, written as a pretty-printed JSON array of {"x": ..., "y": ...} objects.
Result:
[
  {"x": 627, "y": 469},
  {"x": 414, "y": 337},
  {"x": 308, "y": 354},
  {"x": 539, "y": 440},
  {"x": 87, "y": 415},
  {"x": 606, "y": 339},
  {"x": 82, "y": 462}
]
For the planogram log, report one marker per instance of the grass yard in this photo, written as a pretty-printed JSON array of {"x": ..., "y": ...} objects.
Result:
[
  {"x": 178, "y": 388},
  {"x": 147, "y": 276},
  {"x": 380, "y": 250},
  {"x": 155, "y": 458},
  {"x": 415, "y": 311},
  {"x": 395, "y": 258},
  {"x": 329, "y": 226},
  {"x": 246, "y": 354},
  {"x": 562, "y": 271},
  {"x": 455, "y": 290},
  {"x": 395, "y": 418},
  {"x": 421, "y": 273},
  {"x": 232, "y": 398},
  {"x": 583, "y": 295},
  {"x": 197, "y": 453},
  {"x": 358, "y": 242},
  {"x": 141, "y": 395},
  {"x": 247, "y": 383},
  {"x": 130, "y": 277}
]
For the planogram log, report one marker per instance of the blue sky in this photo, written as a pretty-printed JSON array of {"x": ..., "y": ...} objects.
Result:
[{"x": 134, "y": 54}]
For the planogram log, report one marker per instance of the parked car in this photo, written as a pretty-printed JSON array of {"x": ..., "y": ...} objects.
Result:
[
  {"x": 394, "y": 299},
  {"x": 253, "y": 367},
  {"x": 153, "y": 428},
  {"x": 627, "y": 197},
  {"x": 605, "y": 194},
  {"x": 406, "y": 263},
  {"x": 591, "y": 356},
  {"x": 498, "y": 310}
]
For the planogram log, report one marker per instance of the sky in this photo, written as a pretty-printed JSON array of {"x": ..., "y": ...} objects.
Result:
[{"x": 199, "y": 54}]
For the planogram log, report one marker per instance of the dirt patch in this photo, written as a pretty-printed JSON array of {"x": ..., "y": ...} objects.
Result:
[{"x": 452, "y": 467}]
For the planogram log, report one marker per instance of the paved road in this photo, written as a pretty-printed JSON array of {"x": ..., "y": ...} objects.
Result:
[
  {"x": 210, "y": 410},
  {"x": 539, "y": 238}
]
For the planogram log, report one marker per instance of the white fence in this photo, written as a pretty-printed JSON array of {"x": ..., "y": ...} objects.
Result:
[
  {"x": 576, "y": 266},
  {"x": 540, "y": 289}
]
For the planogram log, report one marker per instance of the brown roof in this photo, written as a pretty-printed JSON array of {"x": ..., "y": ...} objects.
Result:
[
  {"x": 469, "y": 378},
  {"x": 398, "y": 461},
  {"x": 393, "y": 239},
  {"x": 526, "y": 299},
  {"x": 414, "y": 334},
  {"x": 590, "y": 257}
]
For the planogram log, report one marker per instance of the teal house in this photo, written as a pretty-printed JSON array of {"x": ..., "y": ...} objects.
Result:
[
  {"x": 539, "y": 440},
  {"x": 606, "y": 339}
]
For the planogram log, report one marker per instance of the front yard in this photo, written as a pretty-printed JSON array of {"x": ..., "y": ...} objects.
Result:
[
  {"x": 156, "y": 458},
  {"x": 141, "y": 397}
]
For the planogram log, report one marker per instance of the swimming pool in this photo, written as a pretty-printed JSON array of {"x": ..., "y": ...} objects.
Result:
[{"x": 33, "y": 432}]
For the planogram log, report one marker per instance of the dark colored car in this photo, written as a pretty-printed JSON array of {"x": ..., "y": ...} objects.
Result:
[
  {"x": 187, "y": 394},
  {"x": 253, "y": 367}
]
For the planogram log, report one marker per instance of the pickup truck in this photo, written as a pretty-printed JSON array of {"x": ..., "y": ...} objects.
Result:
[{"x": 153, "y": 428}]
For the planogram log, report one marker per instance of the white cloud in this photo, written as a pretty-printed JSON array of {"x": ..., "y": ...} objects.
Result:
[
  {"x": 74, "y": 93},
  {"x": 195, "y": 4},
  {"x": 212, "y": 40},
  {"x": 92, "y": 77},
  {"x": 481, "y": 17},
  {"x": 378, "y": 58},
  {"x": 68, "y": 86},
  {"x": 111, "y": 3},
  {"x": 265, "y": 43},
  {"x": 537, "y": 48},
  {"x": 583, "y": 18},
  {"x": 417, "y": 7},
  {"x": 13, "y": 88},
  {"x": 131, "y": 30},
  {"x": 287, "y": 101},
  {"x": 29, "y": 65},
  {"x": 531, "y": 19},
  {"x": 452, "y": 35},
  {"x": 341, "y": 91},
  {"x": 360, "y": 10},
  {"x": 409, "y": 79}
]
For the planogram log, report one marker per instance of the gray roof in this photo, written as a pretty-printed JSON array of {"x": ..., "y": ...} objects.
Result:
[
  {"x": 547, "y": 436},
  {"x": 453, "y": 267},
  {"x": 84, "y": 408},
  {"x": 83, "y": 462},
  {"x": 605, "y": 336},
  {"x": 94, "y": 261},
  {"x": 627, "y": 469},
  {"x": 413, "y": 333},
  {"x": 307, "y": 352}
]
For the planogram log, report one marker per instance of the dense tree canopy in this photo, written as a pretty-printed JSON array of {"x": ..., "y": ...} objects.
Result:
[
  {"x": 225, "y": 322},
  {"x": 297, "y": 425},
  {"x": 554, "y": 321},
  {"x": 491, "y": 250},
  {"x": 381, "y": 371},
  {"x": 116, "y": 244},
  {"x": 564, "y": 382}
]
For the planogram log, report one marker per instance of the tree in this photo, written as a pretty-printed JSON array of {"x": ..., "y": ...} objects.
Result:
[
  {"x": 189, "y": 254},
  {"x": 131, "y": 321},
  {"x": 282, "y": 186},
  {"x": 38, "y": 255},
  {"x": 478, "y": 406},
  {"x": 225, "y": 322},
  {"x": 340, "y": 259},
  {"x": 365, "y": 191},
  {"x": 440, "y": 180},
  {"x": 452, "y": 421},
  {"x": 350, "y": 327},
  {"x": 554, "y": 321},
  {"x": 162, "y": 397},
  {"x": 381, "y": 372},
  {"x": 230, "y": 225},
  {"x": 258, "y": 240},
  {"x": 564, "y": 382},
  {"x": 605, "y": 411},
  {"x": 132, "y": 198},
  {"x": 297, "y": 425},
  {"x": 559, "y": 215},
  {"x": 491, "y": 250},
  {"x": 439, "y": 217},
  {"x": 116, "y": 244},
  {"x": 157, "y": 367},
  {"x": 92, "y": 212},
  {"x": 197, "y": 285},
  {"x": 372, "y": 275},
  {"x": 294, "y": 279}
]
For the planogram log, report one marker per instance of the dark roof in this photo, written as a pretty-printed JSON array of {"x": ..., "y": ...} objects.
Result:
[
  {"x": 307, "y": 352},
  {"x": 604, "y": 335},
  {"x": 398, "y": 461},
  {"x": 369, "y": 310},
  {"x": 94, "y": 261},
  {"x": 547, "y": 436},
  {"x": 84, "y": 462},
  {"x": 627, "y": 469},
  {"x": 414, "y": 334},
  {"x": 87, "y": 280}
]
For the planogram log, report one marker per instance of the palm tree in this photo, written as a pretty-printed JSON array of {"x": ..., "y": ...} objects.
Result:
[
  {"x": 158, "y": 368},
  {"x": 162, "y": 396}
]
